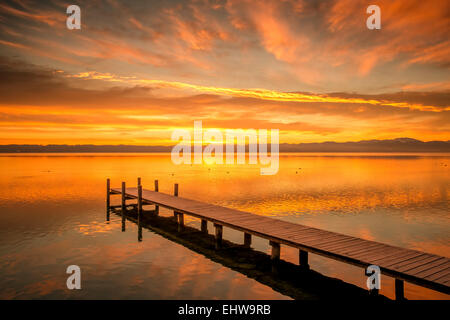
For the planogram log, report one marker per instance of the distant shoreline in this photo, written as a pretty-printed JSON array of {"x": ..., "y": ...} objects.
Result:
[{"x": 399, "y": 145}]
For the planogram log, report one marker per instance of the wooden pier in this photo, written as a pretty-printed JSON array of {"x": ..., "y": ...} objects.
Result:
[{"x": 420, "y": 268}]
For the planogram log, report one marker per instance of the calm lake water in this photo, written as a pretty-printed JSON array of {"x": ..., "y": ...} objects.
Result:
[{"x": 52, "y": 215}]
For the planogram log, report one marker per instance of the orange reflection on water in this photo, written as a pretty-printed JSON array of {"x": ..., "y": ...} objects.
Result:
[{"x": 53, "y": 205}]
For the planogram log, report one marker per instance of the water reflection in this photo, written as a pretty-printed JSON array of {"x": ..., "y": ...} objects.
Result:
[{"x": 52, "y": 215}]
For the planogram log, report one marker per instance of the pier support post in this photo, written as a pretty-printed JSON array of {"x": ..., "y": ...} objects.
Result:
[
  {"x": 275, "y": 255},
  {"x": 399, "y": 290},
  {"x": 139, "y": 208},
  {"x": 219, "y": 232},
  {"x": 139, "y": 181},
  {"x": 108, "y": 198},
  {"x": 139, "y": 204},
  {"x": 247, "y": 240},
  {"x": 123, "y": 197},
  {"x": 276, "y": 249},
  {"x": 175, "y": 193},
  {"x": 180, "y": 221},
  {"x": 303, "y": 259},
  {"x": 157, "y": 190},
  {"x": 204, "y": 226},
  {"x": 123, "y": 205}
]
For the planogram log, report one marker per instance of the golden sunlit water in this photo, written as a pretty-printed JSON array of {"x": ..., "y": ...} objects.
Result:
[{"x": 52, "y": 215}]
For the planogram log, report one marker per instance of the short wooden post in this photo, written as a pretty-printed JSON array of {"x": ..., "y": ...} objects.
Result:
[
  {"x": 180, "y": 221},
  {"x": 247, "y": 240},
  {"x": 108, "y": 193},
  {"x": 399, "y": 290},
  {"x": 139, "y": 181},
  {"x": 157, "y": 190},
  {"x": 276, "y": 249},
  {"x": 139, "y": 204},
  {"x": 275, "y": 255},
  {"x": 139, "y": 207},
  {"x": 123, "y": 197},
  {"x": 219, "y": 232},
  {"x": 123, "y": 206},
  {"x": 204, "y": 226},
  {"x": 303, "y": 259},
  {"x": 108, "y": 198},
  {"x": 175, "y": 193}
]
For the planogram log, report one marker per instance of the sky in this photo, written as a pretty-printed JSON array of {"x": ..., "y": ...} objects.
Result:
[{"x": 138, "y": 70}]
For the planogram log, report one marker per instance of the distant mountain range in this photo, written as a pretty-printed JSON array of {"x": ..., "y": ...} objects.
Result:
[{"x": 394, "y": 145}]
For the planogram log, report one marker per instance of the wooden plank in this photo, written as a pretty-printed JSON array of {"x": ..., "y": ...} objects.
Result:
[
  {"x": 419, "y": 261},
  {"x": 329, "y": 246},
  {"x": 357, "y": 247},
  {"x": 429, "y": 272},
  {"x": 439, "y": 274},
  {"x": 331, "y": 238},
  {"x": 386, "y": 253},
  {"x": 417, "y": 269},
  {"x": 304, "y": 234},
  {"x": 370, "y": 252},
  {"x": 398, "y": 258},
  {"x": 343, "y": 245},
  {"x": 443, "y": 278},
  {"x": 305, "y": 237}
]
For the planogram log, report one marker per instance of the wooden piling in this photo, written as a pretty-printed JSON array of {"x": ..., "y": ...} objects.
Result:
[
  {"x": 108, "y": 193},
  {"x": 139, "y": 204},
  {"x": 108, "y": 198},
  {"x": 123, "y": 196},
  {"x": 247, "y": 240},
  {"x": 275, "y": 255},
  {"x": 276, "y": 250},
  {"x": 204, "y": 226},
  {"x": 303, "y": 259},
  {"x": 139, "y": 181},
  {"x": 219, "y": 232},
  {"x": 123, "y": 206},
  {"x": 175, "y": 193},
  {"x": 180, "y": 221},
  {"x": 399, "y": 290},
  {"x": 157, "y": 190}
]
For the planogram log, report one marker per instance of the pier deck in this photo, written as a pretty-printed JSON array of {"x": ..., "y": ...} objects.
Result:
[{"x": 423, "y": 269}]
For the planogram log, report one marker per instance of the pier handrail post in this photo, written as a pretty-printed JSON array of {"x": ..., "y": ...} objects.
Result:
[
  {"x": 123, "y": 196},
  {"x": 275, "y": 255},
  {"x": 179, "y": 216},
  {"x": 139, "y": 207},
  {"x": 175, "y": 193},
  {"x": 303, "y": 259},
  {"x": 108, "y": 198},
  {"x": 123, "y": 205},
  {"x": 247, "y": 240},
  {"x": 156, "y": 190},
  {"x": 399, "y": 290},
  {"x": 204, "y": 226},
  {"x": 139, "y": 204},
  {"x": 218, "y": 235}
]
